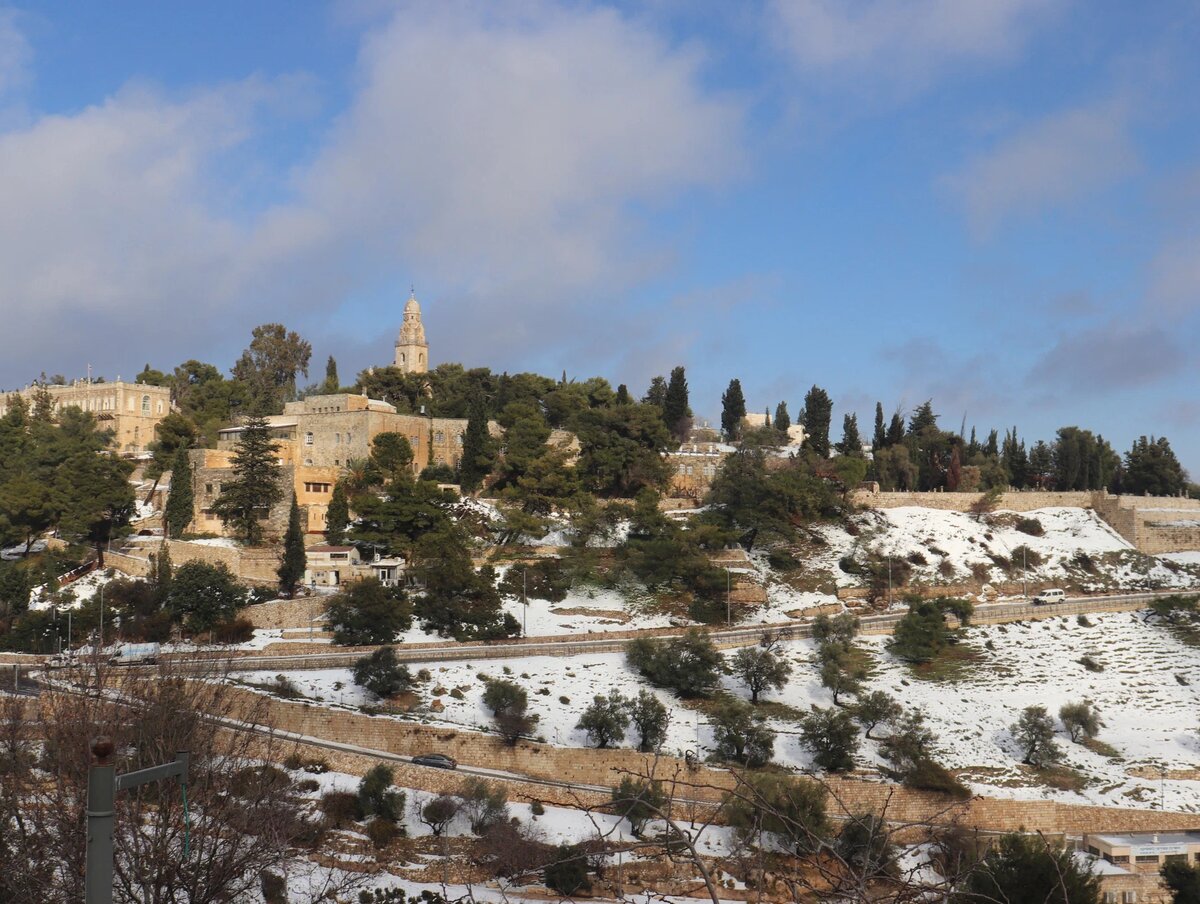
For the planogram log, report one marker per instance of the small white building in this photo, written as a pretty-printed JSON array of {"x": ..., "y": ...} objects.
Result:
[{"x": 332, "y": 566}]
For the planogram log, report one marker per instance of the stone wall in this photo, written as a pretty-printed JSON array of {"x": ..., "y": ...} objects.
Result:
[
  {"x": 297, "y": 613},
  {"x": 250, "y": 566},
  {"x": 1151, "y": 524},
  {"x": 603, "y": 768}
]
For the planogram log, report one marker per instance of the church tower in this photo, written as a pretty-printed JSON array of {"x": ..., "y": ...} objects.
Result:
[{"x": 412, "y": 351}]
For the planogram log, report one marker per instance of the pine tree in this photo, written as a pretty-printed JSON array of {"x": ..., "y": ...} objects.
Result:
[
  {"x": 733, "y": 410},
  {"x": 895, "y": 432},
  {"x": 851, "y": 443},
  {"x": 656, "y": 395},
  {"x": 818, "y": 410},
  {"x": 476, "y": 461},
  {"x": 623, "y": 395},
  {"x": 332, "y": 383},
  {"x": 923, "y": 418},
  {"x": 254, "y": 488},
  {"x": 782, "y": 420},
  {"x": 178, "y": 514},
  {"x": 676, "y": 413},
  {"x": 291, "y": 569},
  {"x": 879, "y": 439},
  {"x": 337, "y": 516}
]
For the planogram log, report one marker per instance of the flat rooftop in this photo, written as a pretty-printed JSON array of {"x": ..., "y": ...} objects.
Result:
[{"x": 1149, "y": 838}]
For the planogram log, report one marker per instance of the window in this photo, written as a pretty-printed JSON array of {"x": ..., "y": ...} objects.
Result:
[
  {"x": 347, "y": 439},
  {"x": 337, "y": 439},
  {"x": 1146, "y": 858},
  {"x": 312, "y": 487},
  {"x": 308, "y": 439},
  {"x": 145, "y": 404},
  {"x": 459, "y": 438},
  {"x": 308, "y": 462},
  {"x": 159, "y": 406},
  {"x": 339, "y": 555},
  {"x": 208, "y": 487},
  {"x": 1110, "y": 897},
  {"x": 439, "y": 438},
  {"x": 1129, "y": 897}
]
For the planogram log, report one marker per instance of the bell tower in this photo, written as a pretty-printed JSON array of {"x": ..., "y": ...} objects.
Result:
[{"x": 412, "y": 351}]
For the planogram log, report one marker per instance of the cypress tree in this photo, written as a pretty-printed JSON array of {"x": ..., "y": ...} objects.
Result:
[
  {"x": 895, "y": 433},
  {"x": 623, "y": 395},
  {"x": 332, "y": 383},
  {"x": 818, "y": 411},
  {"x": 178, "y": 514},
  {"x": 476, "y": 456},
  {"x": 733, "y": 410},
  {"x": 782, "y": 420},
  {"x": 851, "y": 443},
  {"x": 767, "y": 416},
  {"x": 162, "y": 574},
  {"x": 879, "y": 440},
  {"x": 337, "y": 515},
  {"x": 255, "y": 484},
  {"x": 291, "y": 569},
  {"x": 675, "y": 404}
]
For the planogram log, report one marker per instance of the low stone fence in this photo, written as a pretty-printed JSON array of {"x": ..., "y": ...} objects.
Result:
[{"x": 249, "y": 565}]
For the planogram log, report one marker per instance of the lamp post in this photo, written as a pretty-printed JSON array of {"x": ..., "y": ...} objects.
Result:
[
  {"x": 728, "y": 603},
  {"x": 103, "y": 785},
  {"x": 524, "y": 602}
]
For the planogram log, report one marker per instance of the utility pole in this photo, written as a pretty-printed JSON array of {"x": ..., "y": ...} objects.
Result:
[
  {"x": 1024, "y": 568},
  {"x": 889, "y": 582},
  {"x": 103, "y": 785},
  {"x": 524, "y": 601}
]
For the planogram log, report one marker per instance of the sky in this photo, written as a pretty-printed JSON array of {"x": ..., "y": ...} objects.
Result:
[{"x": 993, "y": 204}]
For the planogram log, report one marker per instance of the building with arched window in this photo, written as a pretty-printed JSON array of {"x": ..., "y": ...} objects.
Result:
[
  {"x": 132, "y": 411},
  {"x": 412, "y": 351}
]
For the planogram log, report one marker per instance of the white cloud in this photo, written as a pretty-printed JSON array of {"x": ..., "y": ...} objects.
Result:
[
  {"x": 1175, "y": 277},
  {"x": 902, "y": 44},
  {"x": 1056, "y": 160},
  {"x": 504, "y": 158}
]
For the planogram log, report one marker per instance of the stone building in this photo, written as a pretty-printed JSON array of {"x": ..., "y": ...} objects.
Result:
[
  {"x": 694, "y": 466},
  {"x": 412, "y": 351},
  {"x": 317, "y": 438},
  {"x": 131, "y": 411}
]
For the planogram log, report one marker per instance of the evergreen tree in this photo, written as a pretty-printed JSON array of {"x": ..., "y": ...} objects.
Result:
[
  {"x": 760, "y": 669},
  {"x": 1034, "y": 732},
  {"x": 606, "y": 719},
  {"x": 676, "y": 413},
  {"x": 973, "y": 447},
  {"x": 476, "y": 461},
  {"x": 162, "y": 574},
  {"x": 923, "y": 418},
  {"x": 895, "y": 432},
  {"x": 879, "y": 439},
  {"x": 337, "y": 515},
  {"x": 254, "y": 487},
  {"x": 656, "y": 395},
  {"x": 818, "y": 410},
  {"x": 1027, "y": 869},
  {"x": 650, "y": 719},
  {"x": 291, "y": 569},
  {"x": 1151, "y": 467},
  {"x": 782, "y": 420},
  {"x": 623, "y": 395},
  {"x": 733, "y": 410},
  {"x": 992, "y": 448},
  {"x": 332, "y": 384},
  {"x": 851, "y": 443}
]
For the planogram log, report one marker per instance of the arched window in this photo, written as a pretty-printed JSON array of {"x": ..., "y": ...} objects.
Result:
[
  {"x": 421, "y": 358},
  {"x": 402, "y": 357},
  {"x": 145, "y": 404}
]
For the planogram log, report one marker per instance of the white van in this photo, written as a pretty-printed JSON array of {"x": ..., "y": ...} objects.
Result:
[{"x": 1050, "y": 597}]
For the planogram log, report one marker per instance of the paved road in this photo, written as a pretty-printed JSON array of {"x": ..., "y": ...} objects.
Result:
[{"x": 725, "y": 637}]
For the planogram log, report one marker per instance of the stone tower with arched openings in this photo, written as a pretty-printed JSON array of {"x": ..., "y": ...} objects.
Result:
[{"x": 412, "y": 351}]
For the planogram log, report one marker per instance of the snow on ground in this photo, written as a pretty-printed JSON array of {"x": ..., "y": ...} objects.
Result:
[
  {"x": 225, "y": 542},
  {"x": 1146, "y": 694},
  {"x": 1182, "y": 558},
  {"x": 585, "y": 610},
  {"x": 74, "y": 594},
  {"x": 944, "y": 546}
]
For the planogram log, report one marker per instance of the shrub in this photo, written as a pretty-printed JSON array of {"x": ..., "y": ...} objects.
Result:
[
  {"x": 537, "y": 808},
  {"x": 606, "y": 719},
  {"x": 484, "y": 804},
  {"x": 1031, "y": 526},
  {"x": 760, "y": 670},
  {"x": 637, "y": 801},
  {"x": 256, "y": 782},
  {"x": 1083, "y": 621},
  {"x": 742, "y": 734},
  {"x": 201, "y": 596},
  {"x": 274, "y": 888},
  {"x": 235, "y": 630},
  {"x": 367, "y": 613},
  {"x": 832, "y": 737},
  {"x": 376, "y": 797},
  {"x": 1090, "y": 664},
  {"x": 691, "y": 664},
  {"x": 916, "y": 557},
  {"x": 340, "y": 808},
  {"x": 921, "y": 634},
  {"x": 546, "y": 579},
  {"x": 1080, "y": 720},
  {"x": 439, "y": 813},
  {"x": 509, "y": 704},
  {"x": 781, "y": 559},
  {"x": 382, "y": 832},
  {"x": 650, "y": 719},
  {"x": 791, "y": 809},
  {"x": 381, "y": 674},
  {"x": 1034, "y": 732},
  {"x": 307, "y": 785},
  {"x": 568, "y": 872},
  {"x": 928, "y": 775}
]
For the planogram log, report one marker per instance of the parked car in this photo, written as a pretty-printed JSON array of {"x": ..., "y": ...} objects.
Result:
[
  {"x": 1050, "y": 597},
  {"x": 436, "y": 760}
]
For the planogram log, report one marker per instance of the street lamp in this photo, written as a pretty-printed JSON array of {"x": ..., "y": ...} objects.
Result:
[{"x": 103, "y": 785}]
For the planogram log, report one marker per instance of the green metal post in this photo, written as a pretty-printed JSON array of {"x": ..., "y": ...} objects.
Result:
[{"x": 102, "y": 786}]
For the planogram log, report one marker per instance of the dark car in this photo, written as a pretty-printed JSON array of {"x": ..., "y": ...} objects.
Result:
[{"x": 436, "y": 760}]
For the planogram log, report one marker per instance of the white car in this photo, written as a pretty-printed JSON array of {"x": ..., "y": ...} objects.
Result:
[{"x": 1050, "y": 597}]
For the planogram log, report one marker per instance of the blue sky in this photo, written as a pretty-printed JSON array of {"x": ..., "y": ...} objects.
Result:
[{"x": 991, "y": 203}]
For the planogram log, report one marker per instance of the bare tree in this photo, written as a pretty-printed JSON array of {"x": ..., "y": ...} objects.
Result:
[{"x": 241, "y": 816}]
